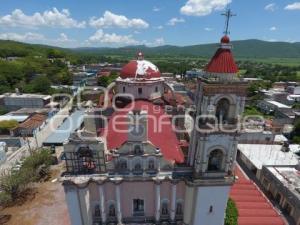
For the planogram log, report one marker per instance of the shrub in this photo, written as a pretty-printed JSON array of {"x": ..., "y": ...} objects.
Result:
[
  {"x": 38, "y": 158},
  {"x": 14, "y": 183},
  {"x": 231, "y": 213}
]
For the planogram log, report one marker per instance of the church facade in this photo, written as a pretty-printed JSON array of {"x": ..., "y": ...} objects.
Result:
[{"x": 136, "y": 171}]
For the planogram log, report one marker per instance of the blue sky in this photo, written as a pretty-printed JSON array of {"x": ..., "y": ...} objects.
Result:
[{"x": 74, "y": 23}]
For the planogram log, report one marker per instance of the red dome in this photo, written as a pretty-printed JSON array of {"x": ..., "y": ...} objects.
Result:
[
  {"x": 140, "y": 69},
  {"x": 225, "y": 40}
]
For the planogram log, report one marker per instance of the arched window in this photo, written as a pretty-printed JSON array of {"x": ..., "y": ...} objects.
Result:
[
  {"x": 215, "y": 160},
  {"x": 179, "y": 210},
  {"x": 222, "y": 110},
  {"x": 85, "y": 157},
  {"x": 138, "y": 166},
  {"x": 164, "y": 208},
  {"x": 151, "y": 164},
  {"x": 97, "y": 212},
  {"x": 123, "y": 164},
  {"x": 111, "y": 210},
  {"x": 138, "y": 150}
]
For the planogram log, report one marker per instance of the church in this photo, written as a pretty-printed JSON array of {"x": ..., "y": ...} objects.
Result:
[{"x": 136, "y": 169}]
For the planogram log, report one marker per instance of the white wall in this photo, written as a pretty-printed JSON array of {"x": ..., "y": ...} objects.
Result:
[
  {"x": 148, "y": 89},
  {"x": 216, "y": 197},
  {"x": 73, "y": 206}
]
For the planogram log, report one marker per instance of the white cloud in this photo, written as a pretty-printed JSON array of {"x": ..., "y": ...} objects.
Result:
[
  {"x": 101, "y": 37},
  {"x": 273, "y": 28},
  {"x": 159, "y": 41},
  {"x": 159, "y": 27},
  {"x": 174, "y": 21},
  {"x": 271, "y": 7},
  {"x": 63, "y": 38},
  {"x": 208, "y": 29},
  {"x": 110, "y": 19},
  {"x": 156, "y": 9},
  {"x": 49, "y": 18},
  {"x": 294, "y": 6},
  {"x": 27, "y": 37},
  {"x": 291, "y": 40},
  {"x": 203, "y": 7}
]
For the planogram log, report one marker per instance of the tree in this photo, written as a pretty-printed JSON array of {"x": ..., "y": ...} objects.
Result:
[
  {"x": 7, "y": 125},
  {"x": 40, "y": 84},
  {"x": 231, "y": 217},
  {"x": 104, "y": 81},
  {"x": 55, "y": 54}
]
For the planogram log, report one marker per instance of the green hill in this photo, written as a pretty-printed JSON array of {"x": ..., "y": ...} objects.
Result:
[{"x": 242, "y": 49}]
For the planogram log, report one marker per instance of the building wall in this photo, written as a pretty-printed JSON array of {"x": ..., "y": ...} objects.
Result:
[
  {"x": 274, "y": 187},
  {"x": 137, "y": 190},
  {"x": 14, "y": 103},
  {"x": 83, "y": 200},
  {"x": 210, "y": 205},
  {"x": 148, "y": 89}
]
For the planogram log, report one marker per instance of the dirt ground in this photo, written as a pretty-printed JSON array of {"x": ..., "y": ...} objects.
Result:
[{"x": 45, "y": 206}]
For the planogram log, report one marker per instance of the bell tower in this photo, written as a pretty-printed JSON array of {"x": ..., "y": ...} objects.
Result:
[{"x": 220, "y": 100}]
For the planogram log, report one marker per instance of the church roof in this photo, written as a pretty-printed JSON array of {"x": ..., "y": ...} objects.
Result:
[
  {"x": 165, "y": 138},
  {"x": 223, "y": 60}
]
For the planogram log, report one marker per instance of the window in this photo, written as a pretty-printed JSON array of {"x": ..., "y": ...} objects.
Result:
[
  {"x": 123, "y": 164},
  {"x": 151, "y": 165},
  {"x": 124, "y": 89},
  {"x": 140, "y": 91},
  {"x": 222, "y": 110},
  {"x": 111, "y": 210},
  {"x": 164, "y": 209},
  {"x": 288, "y": 208},
  {"x": 211, "y": 209},
  {"x": 138, "y": 150},
  {"x": 179, "y": 208},
  {"x": 215, "y": 161},
  {"x": 97, "y": 212},
  {"x": 138, "y": 206},
  {"x": 278, "y": 198},
  {"x": 156, "y": 89},
  {"x": 137, "y": 166},
  {"x": 265, "y": 183}
]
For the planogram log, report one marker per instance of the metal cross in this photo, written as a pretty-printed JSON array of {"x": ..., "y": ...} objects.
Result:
[{"x": 228, "y": 14}]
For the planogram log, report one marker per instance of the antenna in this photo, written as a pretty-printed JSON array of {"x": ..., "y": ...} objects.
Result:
[{"x": 228, "y": 14}]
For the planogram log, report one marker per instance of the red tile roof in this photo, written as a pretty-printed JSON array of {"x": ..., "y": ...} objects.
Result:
[
  {"x": 165, "y": 138},
  {"x": 33, "y": 122},
  {"x": 223, "y": 60},
  {"x": 253, "y": 206}
]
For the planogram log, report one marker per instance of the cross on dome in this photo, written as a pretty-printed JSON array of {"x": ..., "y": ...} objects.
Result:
[{"x": 228, "y": 14}]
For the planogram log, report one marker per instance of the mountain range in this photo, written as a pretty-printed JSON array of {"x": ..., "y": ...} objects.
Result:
[
  {"x": 241, "y": 49},
  {"x": 245, "y": 49}
]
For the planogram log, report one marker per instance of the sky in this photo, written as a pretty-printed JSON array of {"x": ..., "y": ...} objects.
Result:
[{"x": 115, "y": 23}]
